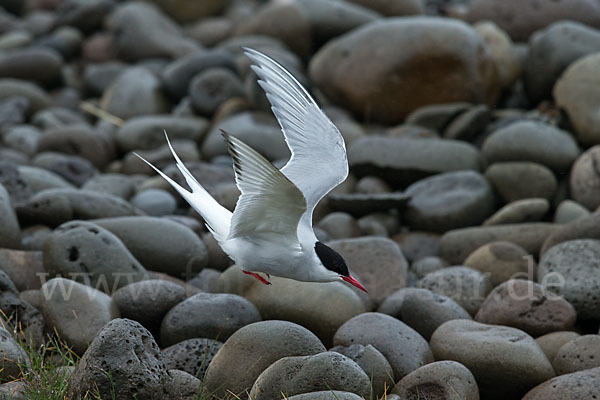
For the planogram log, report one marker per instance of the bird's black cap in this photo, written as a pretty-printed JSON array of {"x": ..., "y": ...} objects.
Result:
[{"x": 331, "y": 259}]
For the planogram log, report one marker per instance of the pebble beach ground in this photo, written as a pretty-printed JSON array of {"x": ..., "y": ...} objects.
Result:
[{"x": 470, "y": 213}]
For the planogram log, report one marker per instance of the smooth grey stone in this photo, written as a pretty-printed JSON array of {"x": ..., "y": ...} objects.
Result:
[
  {"x": 10, "y": 231},
  {"x": 426, "y": 265},
  {"x": 88, "y": 253},
  {"x": 119, "y": 185},
  {"x": 77, "y": 312},
  {"x": 501, "y": 261},
  {"x": 402, "y": 346},
  {"x": 155, "y": 202},
  {"x": 209, "y": 315},
  {"x": 575, "y": 386},
  {"x": 160, "y": 244},
  {"x": 73, "y": 169},
  {"x": 37, "y": 97},
  {"x": 436, "y": 116},
  {"x": 85, "y": 15},
  {"x": 38, "y": 64},
  {"x": 147, "y": 302},
  {"x": 24, "y": 268},
  {"x": 402, "y": 161},
  {"x": 253, "y": 348},
  {"x": 23, "y": 138},
  {"x": 569, "y": 210},
  {"x": 506, "y": 362},
  {"x": 13, "y": 111},
  {"x": 213, "y": 87},
  {"x": 300, "y": 374},
  {"x": 520, "y": 211},
  {"x": 522, "y": 180},
  {"x": 339, "y": 225},
  {"x": 98, "y": 77},
  {"x": 141, "y": 31},
  {"x": 14, "y": 358},
  {"x": 34, "y": 237},
  {"x": 578, "y": 354},
  {"x": 38, "y": 179},
  {"x": 55, "y": 206}
]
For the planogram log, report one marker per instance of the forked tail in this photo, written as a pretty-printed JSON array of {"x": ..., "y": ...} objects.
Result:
[{"x": 217, "y": 217}]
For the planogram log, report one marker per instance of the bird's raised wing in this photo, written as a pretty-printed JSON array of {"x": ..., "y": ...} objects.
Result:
[
  {"x": 269, "y": 203},
  {"x": 318, "y": 162}
]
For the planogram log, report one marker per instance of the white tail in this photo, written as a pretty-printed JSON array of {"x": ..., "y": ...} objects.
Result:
[{"x": 217, "y": 217}]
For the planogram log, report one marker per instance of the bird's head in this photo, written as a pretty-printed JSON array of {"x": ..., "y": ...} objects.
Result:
[{"x": 334, "y": 263}]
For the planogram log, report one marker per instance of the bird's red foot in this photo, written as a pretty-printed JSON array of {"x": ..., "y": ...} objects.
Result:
[{"x": 257, "y": 276}]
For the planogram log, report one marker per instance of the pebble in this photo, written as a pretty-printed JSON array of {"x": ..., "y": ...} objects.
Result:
[
  {"x": 375, "y": 365},
  {"x": 38, "y": 179},
  {"x": 467, "y": 286},
  {"x": 192, "y": 355},
  {"x": 436, "y": 117},
  {"x": 449, "y": 201},
  {"x": 14, "y": 390},
  {"x": 417, "y": 245},
  {"x": 299, "y": 302},
  {"x": 253, "y": 348},
  {"x": 506, "y": 362},
  {"x": 527, "y": 306},
  {"x": 550, "y": 343},
  {"x": 551, "y": 50},
  {"x": 211, "y": 316},
  {"x": 472, "y": 79},
  {"x": 74, "y": 169},
  {"x": 36, "y": 64},
  {"x": 441, "y": 379},
  {"x": 23, "y": 138},
  {"x": 147, "y": 302},
  {"x": 402, "y": 161},
  {"x": 377, "y": 262},
  {"x": 520, "y": 211},
  {"x": 584, "y": 182},
  {"x": 506, "y": 57},
  {"x": 501, "y": 261},
  {"x": 136, "y": 91},
  {"x": 10, "y": 231},
  {"x": 77, "y": 312},
  {"x": 426, "y": 265},
  {"x": 85, "y": 15},
  {"x": 88, "y": 253},
  {"x": 327, "y": 395},
  {"x": 14, "y": 358},
  {"x": 160, "y": 245},
  {"x": 578, "y": 99},
  {"x": 258, "y": 130},
  {"x": 403, "y": 347},
  {"x": 212, "y": 87},
  {"x": 575, "y": 386},
  {"x": 300, "y": 374},
  {"x": 22, "y": 267},
  {"x": 578, "y": 354},
  {"x": 339, "y": 225},
  {"x": 457, "y": 245},
  {"x": 119, "y": 185},
  {"x": 155, "y": 202},
  {"x": 569, "y": 210},
  {"x": 148, "y": 132},
  {"x": 141, "y": 31},
  {"x": 519, "y": 180},
  {"x": 128, "y": 350},
  {"x": 584, "y": 228},
  {"x": 520, "y": 19},
  {"x": 38, "y": 99},
  {"x": 570, "y": 269}
]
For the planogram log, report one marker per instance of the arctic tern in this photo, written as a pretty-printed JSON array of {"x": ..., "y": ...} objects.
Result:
[{"x": 270, "y": 230}]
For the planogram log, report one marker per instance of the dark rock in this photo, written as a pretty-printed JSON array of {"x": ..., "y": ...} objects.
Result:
[{"x": 192, "y": 355}]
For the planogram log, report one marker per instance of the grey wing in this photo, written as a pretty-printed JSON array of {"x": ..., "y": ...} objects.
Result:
[{"x": 318, "y": 162}]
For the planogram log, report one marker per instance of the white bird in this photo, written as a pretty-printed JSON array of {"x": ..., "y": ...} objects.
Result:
[{"x": 270, "y": 230}]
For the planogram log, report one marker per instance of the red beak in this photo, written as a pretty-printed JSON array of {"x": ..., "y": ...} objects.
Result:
[{"x": 354, "y": 282}]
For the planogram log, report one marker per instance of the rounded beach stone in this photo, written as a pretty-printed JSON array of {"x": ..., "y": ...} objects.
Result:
[
  {"x": 213, "y": 87},
  {"x": 207, "y": 315},
  {"x": 525, "y": 210},
  {"x": 577, "y": 355},
  {"x": 502, "y": 261},
  {"x": 302, "y": 374},
  {"x": 584, "y": 181},
  {"x": 575, "y": 386},
  {"x": 403, "y": 347},
  {"x": 527, "y": 306},
  {"x": 375, "y": 365},
  {"x": 295, "y": 301},
  {"x": 77, "y": 312},
  {"x": 550, "y": 343},
  {"x": 427, "y": 265},
  {"x": 471, "y": 76},
  {"x": 253, "y": 348},
  {"x": 339, "y": 225},
  {"x": 327, "y": 395},
  {"x": 147, "y": 302},
  {"x": 192, "y": 355},
  {"x": 522, "y": 180},
  {"x": 448, "y": 201},
  {"x": 14, "y": 358},
  {"x": 441, "y": 379},
  {"x": 506, "y": 362},
  {"x": 569, "y": 210},
  {"x": 570, "y": 269},
  {"x": 129, "y": 352},
  {"x": 467, "y": 286},
  {"x": 155, "y": 202},
  {"x": 10, "y": 231},
  {"x": 88, "y": 253}
]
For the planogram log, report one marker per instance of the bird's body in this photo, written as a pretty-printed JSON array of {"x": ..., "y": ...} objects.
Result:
[{"x": 270, "y": 230}]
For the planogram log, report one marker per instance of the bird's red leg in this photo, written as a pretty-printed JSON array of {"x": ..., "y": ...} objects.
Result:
[{"x": 257, "y": 276}]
